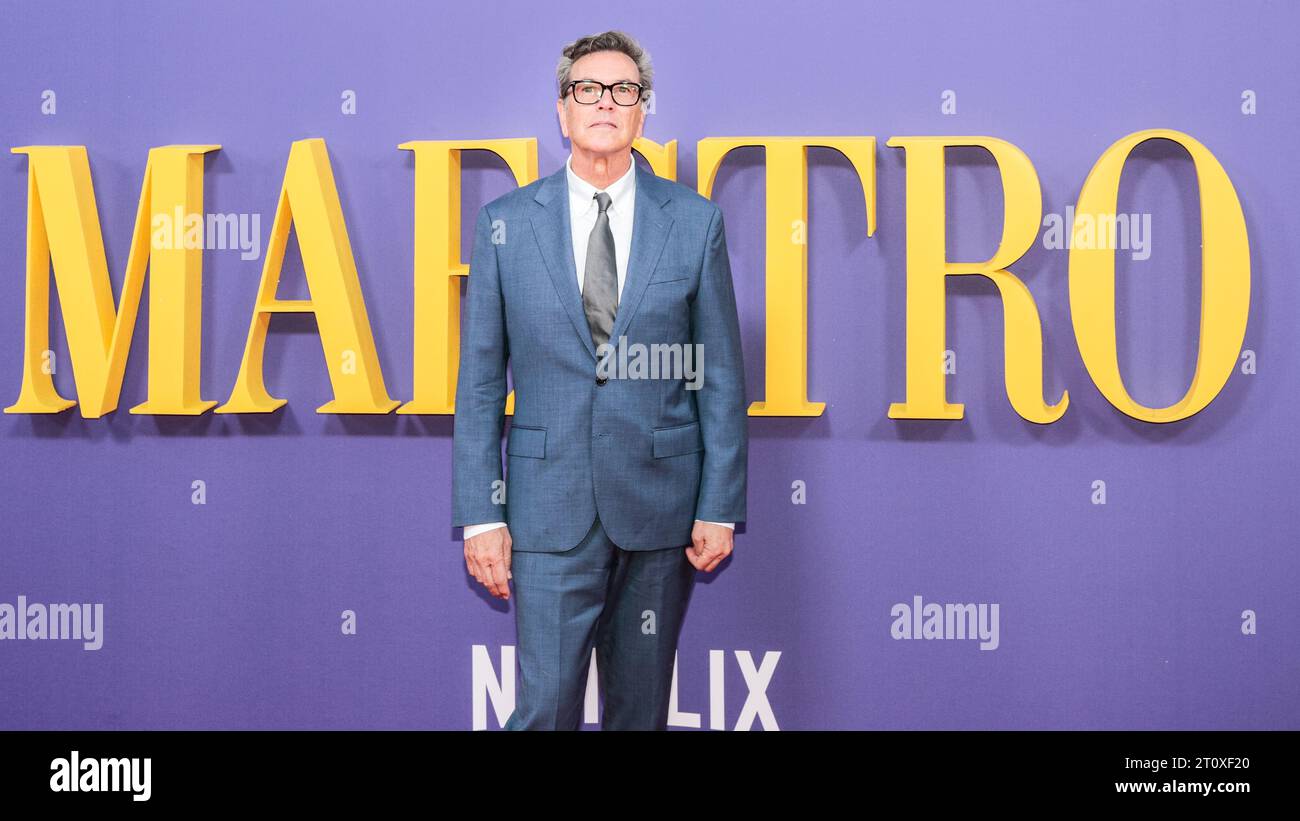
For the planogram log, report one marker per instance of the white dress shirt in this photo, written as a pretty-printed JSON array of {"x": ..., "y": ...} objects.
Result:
[{"x": 583, "y": 210}]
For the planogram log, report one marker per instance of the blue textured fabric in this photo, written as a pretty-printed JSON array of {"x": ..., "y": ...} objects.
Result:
[
  {"x": 648, "y": 455},
  {"x": 628, "y": 605}
]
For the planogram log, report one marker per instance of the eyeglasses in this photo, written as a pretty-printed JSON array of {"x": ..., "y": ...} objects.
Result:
[{"x": 589, "y": 92}]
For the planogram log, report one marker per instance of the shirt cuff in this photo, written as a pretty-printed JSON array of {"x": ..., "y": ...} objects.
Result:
[
  {"x": 474, "y": 530},
  {"x": 731, "y": 525}
]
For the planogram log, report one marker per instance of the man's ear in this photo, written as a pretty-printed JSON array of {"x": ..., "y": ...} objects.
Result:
[{"x": 559, "y": 112}]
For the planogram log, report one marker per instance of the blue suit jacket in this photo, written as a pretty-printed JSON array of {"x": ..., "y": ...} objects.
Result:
[{"x": 647, "y": 455}]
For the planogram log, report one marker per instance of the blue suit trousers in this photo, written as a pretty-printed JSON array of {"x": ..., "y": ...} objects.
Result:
[{"x": 627, "y": 604}]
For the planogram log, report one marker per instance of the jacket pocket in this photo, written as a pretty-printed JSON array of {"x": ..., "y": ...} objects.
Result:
[
  {"x": 529, "y": 442},
  {"x": 671, "y": 273},
  {"x": 677, "y": 440}
]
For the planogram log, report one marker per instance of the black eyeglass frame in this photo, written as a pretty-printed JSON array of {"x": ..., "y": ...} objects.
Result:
[{"x": 640, "y": 92}]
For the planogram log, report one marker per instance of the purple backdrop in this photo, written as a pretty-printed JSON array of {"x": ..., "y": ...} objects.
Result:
[{"x": 1123, "y": 615}]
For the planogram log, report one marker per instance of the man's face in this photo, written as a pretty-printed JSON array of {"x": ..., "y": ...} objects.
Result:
[{"x": 603, "y": 128}]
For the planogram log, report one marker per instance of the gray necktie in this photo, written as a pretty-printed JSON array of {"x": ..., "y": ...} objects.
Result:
[{"x": 600, "y": 277}]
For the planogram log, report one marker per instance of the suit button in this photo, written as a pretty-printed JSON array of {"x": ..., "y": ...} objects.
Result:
[{"x": 600, "y": 380}]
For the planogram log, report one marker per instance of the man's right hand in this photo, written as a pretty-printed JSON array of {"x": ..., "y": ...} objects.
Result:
[{"x": 487, "y": 555}]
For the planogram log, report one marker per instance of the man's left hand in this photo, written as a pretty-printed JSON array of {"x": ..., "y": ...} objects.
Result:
[{"x": 711, "y": 544}]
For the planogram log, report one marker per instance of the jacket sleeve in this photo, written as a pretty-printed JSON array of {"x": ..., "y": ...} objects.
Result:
[
  {"x": 480, "y": 389},
  {"x": 720, "y": 399}
]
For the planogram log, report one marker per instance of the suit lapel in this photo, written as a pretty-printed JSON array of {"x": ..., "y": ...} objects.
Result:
[{"x": 650, "y": 226}]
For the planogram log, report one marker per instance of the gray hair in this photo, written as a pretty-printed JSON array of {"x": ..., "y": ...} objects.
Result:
[{"x": 606, "y": 41}]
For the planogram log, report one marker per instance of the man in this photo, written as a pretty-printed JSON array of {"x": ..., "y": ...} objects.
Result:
[{"x": 619, "y": 487}]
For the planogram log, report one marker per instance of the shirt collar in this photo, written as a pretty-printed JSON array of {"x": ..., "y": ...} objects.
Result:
[{"x": 582, "y": 193}]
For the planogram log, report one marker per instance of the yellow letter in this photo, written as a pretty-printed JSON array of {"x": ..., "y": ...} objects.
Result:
[
  {"x": 310, "y": 200},
  {"x": 63, "y": 228},
  {"x": 1225, "y": 281},
  {"x": 662, "y": 158},
  {"x": 927, "y": 265},
  {"x": 786, "y": 274},
  {"x": 438, "y": 268}
]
